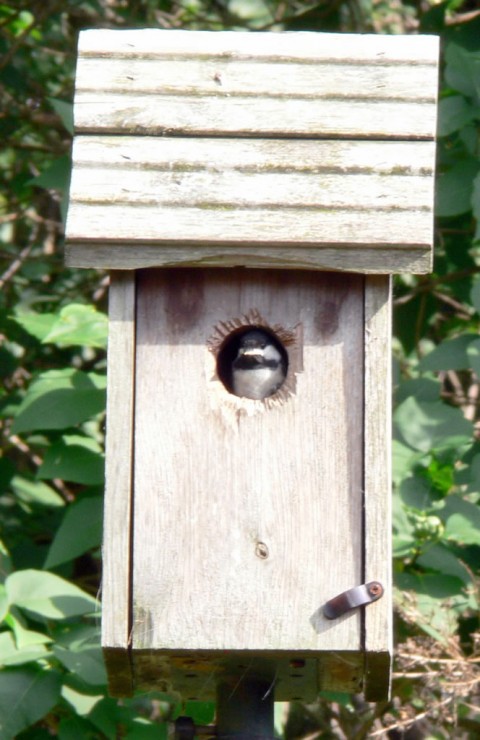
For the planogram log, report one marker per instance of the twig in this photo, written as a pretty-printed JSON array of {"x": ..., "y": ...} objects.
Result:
[{"x": 403, "y": 724}]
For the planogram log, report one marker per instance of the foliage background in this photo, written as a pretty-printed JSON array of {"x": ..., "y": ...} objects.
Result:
[{"x": 52, "y": 396}]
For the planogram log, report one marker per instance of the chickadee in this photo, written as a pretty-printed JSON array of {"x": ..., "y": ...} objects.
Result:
[{"x": 259, "y": 368}]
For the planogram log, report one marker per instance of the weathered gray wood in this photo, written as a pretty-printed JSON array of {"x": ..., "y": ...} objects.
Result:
[
  {"x": 378, "y": 432},
  {"x": 216, "y": 175},
  {"x": 182, "y": 157},
  {"x": 116, "y": 621},
  {"x": 256, "y": 84},
  {"x": 368, "y": 199},
  {"x": 375, "y": 197},
  {"x": 366, "y": 260},
  {"x": 230, "y": 46},
  {"x": 239, "y": 148},
  {"x": 216, "y": 475}
]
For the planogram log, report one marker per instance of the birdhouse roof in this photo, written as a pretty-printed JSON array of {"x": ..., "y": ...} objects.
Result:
[{"x": 295, "y": 150}]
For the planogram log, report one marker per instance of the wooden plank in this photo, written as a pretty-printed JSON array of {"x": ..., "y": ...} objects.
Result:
[
  {"x": 331, "y": 257},
  {"x": 256, "y": 84},
  {"x": 124, "y": 113},
  {"x": 216, "y": 475},
  {"x": 116, "y": 617},
  {"x": 378, "y": 432},
  {"x": 265, "y": 226},
  {"x": 240, "y": 194},
  {"x": 306, "y": 46},
  {"x": 217, "y": 76},
  {"x": 181, "y": 156},
  {"x": 236, "y": 175}
]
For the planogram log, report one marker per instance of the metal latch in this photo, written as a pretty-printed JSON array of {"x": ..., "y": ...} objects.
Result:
[{"x": 362, "y": 595}]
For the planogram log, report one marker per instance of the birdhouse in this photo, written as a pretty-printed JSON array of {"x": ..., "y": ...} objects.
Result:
[{"x": 237, "y": 183}]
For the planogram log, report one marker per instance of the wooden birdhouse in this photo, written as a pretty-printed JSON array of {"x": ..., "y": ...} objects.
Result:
[{"x": 231, "y": 182}]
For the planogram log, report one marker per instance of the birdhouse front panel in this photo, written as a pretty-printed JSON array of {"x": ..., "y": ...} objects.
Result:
[
  {"x": 242, "y": 517},
  {"x": 248, "y": 513}
]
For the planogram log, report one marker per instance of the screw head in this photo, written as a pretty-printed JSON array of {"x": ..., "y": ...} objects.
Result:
[{"x": 375, "y": 588}]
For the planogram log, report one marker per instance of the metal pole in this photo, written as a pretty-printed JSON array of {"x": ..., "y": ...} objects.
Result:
[{"x": 245, "y": 708}]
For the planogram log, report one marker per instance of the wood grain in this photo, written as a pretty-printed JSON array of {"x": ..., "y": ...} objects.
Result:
[
  {"x": 226, "y": 45},
  {"x": 256, "y": 84},
  {"x": 239, "y": 148},
  {"x": 341, "y": 259},
  {"x": 216, "y": 476},
  {"x": 378, "y": 484},
  {"x": 116, "y": 621},
  {"x": 239, "y": 199}
]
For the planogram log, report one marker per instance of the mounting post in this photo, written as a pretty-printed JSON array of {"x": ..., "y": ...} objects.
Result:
[{"x": 245, "y": 709}]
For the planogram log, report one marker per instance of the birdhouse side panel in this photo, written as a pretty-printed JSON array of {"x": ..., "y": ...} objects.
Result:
[
  {"x": 378, "y": 483},
  {"x": 116, "y": 568}
]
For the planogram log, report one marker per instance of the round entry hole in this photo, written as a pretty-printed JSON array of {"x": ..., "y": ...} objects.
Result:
[{"x": 252, "y": 362}]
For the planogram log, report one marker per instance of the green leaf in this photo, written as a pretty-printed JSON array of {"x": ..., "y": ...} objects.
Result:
[
  {"x": 462, "y": 70},
  {"x": 454, "y": 112},
  {"x": 104, "y": 715},
  {"x": 65, "y": 111},
  {"x": 35, "y": 492},
  {"x": 432, "y": 426},
  {"x": 86, "y": 662},
  {"x": 78, "y": 649},
  {"x": 24, "y": 637},
  {"x": 59, "y": 399},
  {"x": 251, "y": 10},
  {"x": 36, "y": 324},
  {"x": 415, "y": 493},
  {"x": 56, "y": 176},
  {"x": 3, "y": 603},
  {"x": 72, "y": 459},
  {"x": 71, "y": 540},
  {"x": 404, "y": 460},
  {"x": 26, "y": 695},
  {"x": 462, "y": 520},
  {"x": 143, "y": 729},
  {"x": 76, "y": 728},
  {"x": 475, "y": 292},
  {"x": 82, "y": 703},
  {"x": 451, "y": 354},
  {"x": 469, "y": 476},
  {"x": 11, "y": 655},
  {"x": 404, "y": 541},
  {"x": 440, "y": 558},
  {"x": 78, "y": 324},
  {"x": 455, "y": 187},
  {"x": 476, "y": 212},
  {"x": 47, "y": 595},
  {"x": 7, "y": 471},
  {"x": 434, "y": 602},
  {"x": 5, "y": 562},
  {"x": 424, "y": 389},
  {"x": 473, "y": 352}
]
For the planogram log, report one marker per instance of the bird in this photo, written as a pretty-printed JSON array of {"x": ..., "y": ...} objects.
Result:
[{"x": 259, "y": 367}]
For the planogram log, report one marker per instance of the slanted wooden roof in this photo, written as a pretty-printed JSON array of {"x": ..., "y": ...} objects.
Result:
[{"x": 299, "y": 150}]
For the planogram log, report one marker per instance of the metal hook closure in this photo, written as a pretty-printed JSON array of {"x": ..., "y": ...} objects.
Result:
[{"x": 362, "y": 595}]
